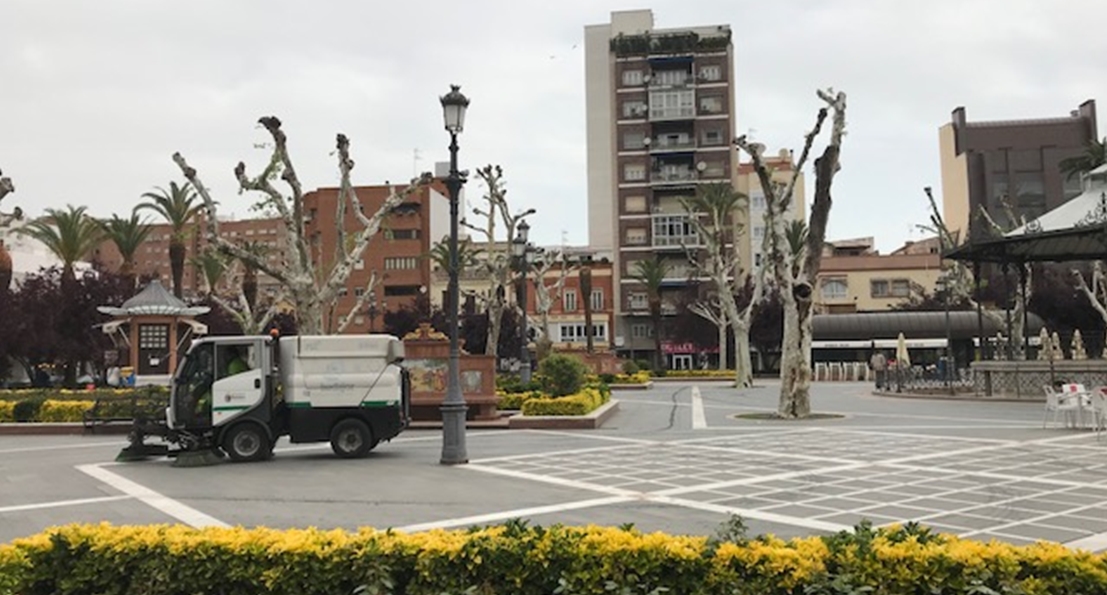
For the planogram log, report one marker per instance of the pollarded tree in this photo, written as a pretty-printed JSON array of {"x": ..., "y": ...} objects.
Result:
[
  {"x": 179, "y": 207},
  {"x": 497, "y": 259},
  {"x": 796, "y": 280},
  {"x": 127, "y": 235},
  {"x": 68, "y": 234},
  {"x": 713, "y": 214},
  {"x": 311, "y": 286},
  {"x": 545, "y": 291},
  {"x": 651, "y": 272},
  {"x": 7, "y": 221},
  {"x": 213, "y": 267}
]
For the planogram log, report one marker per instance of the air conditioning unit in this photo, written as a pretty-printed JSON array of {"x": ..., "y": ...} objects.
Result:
[
  {"x": 641, "y": 111},
  {"x": 647, "y": 78}
]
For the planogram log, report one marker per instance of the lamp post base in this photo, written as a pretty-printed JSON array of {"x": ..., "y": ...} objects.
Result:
[{"x": 454, "y": 451}]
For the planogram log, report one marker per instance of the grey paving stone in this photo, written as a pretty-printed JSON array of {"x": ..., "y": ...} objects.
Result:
[
  {"x": 1004, "y": 513},
  {"x": 906, "y": 513},
  {"x": 843, "y": 504},
  {"x": 1078, "y": 523},
  {"x": 1042, "y": 532},
  {"x": 965, "y": 520}
]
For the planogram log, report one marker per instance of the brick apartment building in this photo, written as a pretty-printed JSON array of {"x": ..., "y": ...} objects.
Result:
[
  {"x": 397, "y": 252},
  {"x": 983, "y": 162},
  {"x": 660, "y": 118}
]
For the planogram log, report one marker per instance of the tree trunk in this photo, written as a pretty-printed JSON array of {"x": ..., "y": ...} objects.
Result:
[
  {"x": 722, "y": 346},
  {"x": 176, "y": 265},
  {"x": 795, "y": 363},
  {"x": 5, "y": 268},
  {"x": 743, "y": 363},
  {"x": 250, "y": 287},
  {"x": 586, "y": 295},
  {"x": 658, "y": 356},
  {"x": 495, "y": 320}
]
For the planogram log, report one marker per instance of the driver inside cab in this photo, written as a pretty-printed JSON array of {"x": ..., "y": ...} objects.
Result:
[{"x": 234, "y": 362}]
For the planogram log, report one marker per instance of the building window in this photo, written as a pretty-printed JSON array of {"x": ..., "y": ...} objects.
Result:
[
  {"x": 632, "y": 78},
  {"x": 569, "y": 300},
  {"x": 674, "y": 230},
  {"x": 634, "y": 172},
  {"x": 396, "y": 263},
  {"x": 641, "y": 331},
  {"x": 359, "y": 320},
  {"x": 758, "y": 232},
  {"x": 634, "y": 204},
  {"x": 597, "y": 300},
  {"x": 153, "y": 336},
  {"x": 672, "y": 104},
  {"x": 359, "y": 264},
  {"x": 834, "y": 288},
  {"x": 901, "y": 287},
  {"x": 712, "y": 72},
  {"x": 758, "y": 201},
  {"x": 634, "y": 108},
  {"x": 575, "y": 332},
  {"x": 402, "y": 290},
  {"x": 714, "y": 169},
  {"x": 342, "y": 291},
  {"x": 634, "y": 140},
  {"x": 1030, "y": 194},
  {"x": 638, "y": 300},
  {"x": 402, "y": 234},
  {"x": 669, "y": 78},
  {"x": 359, "y": 291},
  {"x": 713, "y": 137},
  {"x": 884, "y": 288},
  {"x": 636, "y": 236},
  {"x": 711, "y": 105}
]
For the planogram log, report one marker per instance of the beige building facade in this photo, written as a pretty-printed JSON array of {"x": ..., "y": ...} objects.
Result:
[{"x": 854, "y": 280}]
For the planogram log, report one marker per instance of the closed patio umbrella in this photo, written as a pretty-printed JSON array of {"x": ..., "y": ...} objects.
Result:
[{"x": 903, "y": 358}]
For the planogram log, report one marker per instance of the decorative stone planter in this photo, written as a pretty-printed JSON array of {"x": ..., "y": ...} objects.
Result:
[{"x": 426, "y": 356}]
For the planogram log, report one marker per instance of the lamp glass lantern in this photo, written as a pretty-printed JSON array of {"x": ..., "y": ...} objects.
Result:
[{"x": 454, "y": 105}]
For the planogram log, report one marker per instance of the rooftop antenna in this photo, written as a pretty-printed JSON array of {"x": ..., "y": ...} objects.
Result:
[{"x": 415, "y": 159}]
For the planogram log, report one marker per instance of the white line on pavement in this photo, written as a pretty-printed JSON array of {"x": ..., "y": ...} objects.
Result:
[
  {"x": 60, "y": 503},
  {"x": 586, "y": 434},
  {"x": 761, "y": 515},
  {"x": 699, "y": 420},
  {"x": 1093, "y": 543},
  {"x": 567, "y": 483},
  {"x": 517, "y": 513},
  {"x": 62, "y": 447},
  {"x": 167, "y": 505}
]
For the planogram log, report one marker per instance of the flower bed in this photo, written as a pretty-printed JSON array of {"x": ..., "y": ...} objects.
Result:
[
  {"x": 517, "y": 559},
  {"x": 582, "y": 403},
  {"x": 63, "y": 405}
]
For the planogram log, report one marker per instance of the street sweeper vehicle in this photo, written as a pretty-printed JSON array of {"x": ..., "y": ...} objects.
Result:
[{"x": 238, "y": 395}]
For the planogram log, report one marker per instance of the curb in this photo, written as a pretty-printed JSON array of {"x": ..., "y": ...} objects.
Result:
[
  {"x": 630, "y": 386},
  {"x": 945, "y": 397},
  {"x": 60, "y": 429},
  {"x": 591, "y": 421}
]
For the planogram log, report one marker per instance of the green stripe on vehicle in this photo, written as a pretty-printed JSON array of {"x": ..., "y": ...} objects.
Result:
[
  {"x": 231, "y": 408},
  {"x": 378, "y": 403},
  {"x": 300, "y": 405}
]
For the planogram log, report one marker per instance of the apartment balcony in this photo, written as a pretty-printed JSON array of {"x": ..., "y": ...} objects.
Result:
[
  {"x": 674, "y": 176},
  {"x": 662, "y": 145},
  {"x": 681, "y": 241},
  {"x": 661, "y": 114}
]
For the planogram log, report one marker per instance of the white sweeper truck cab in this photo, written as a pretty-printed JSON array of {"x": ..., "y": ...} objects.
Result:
[{"x": 240, "y": 394}]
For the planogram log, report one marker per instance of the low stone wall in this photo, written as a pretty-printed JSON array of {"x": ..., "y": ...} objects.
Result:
[{"x": 1025, "y": 379}]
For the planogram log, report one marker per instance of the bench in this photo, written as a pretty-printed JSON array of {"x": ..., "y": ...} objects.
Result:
[{"x": 118, "y": 413}]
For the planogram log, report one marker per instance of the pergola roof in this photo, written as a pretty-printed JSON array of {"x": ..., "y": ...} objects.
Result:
[
  {"x": 913, "y": 325},
  {"x": 1075, "y": 230},
  {"x": 154, "y": 300}
]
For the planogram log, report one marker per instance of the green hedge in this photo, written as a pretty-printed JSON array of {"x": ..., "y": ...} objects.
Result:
[
  {"x": 62, "y": 405},
  {"x": 520, "y": 560}
]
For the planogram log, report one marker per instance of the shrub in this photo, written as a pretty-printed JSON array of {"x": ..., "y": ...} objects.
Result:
[
  {"x": 514, "y": 401},
  {"x": 643, "y": 364},
  {"x": 630, "y": 367},
  {"x": 63, "y": 411},
  {"x": 562, "y": 374},
  {"x": 607, "y": 378},
  {"x": 518, "y": 559},
  {"x": 7, "y": 411},
  {"x": 27, "y": 409}
]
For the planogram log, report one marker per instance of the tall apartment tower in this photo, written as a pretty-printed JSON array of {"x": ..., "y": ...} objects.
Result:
[
  {"x": 660, "y": 118},
  {"x": 985, "y": 163}
]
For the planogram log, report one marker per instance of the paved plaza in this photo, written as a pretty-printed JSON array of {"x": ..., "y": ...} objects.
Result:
[{"x": 673, "y": 458}]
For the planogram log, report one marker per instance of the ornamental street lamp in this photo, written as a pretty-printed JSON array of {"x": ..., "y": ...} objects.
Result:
[
  {"x": 521, "y": 251},
  {"x": 453, "y": 406},
  {"x": 951, "y": 367}
]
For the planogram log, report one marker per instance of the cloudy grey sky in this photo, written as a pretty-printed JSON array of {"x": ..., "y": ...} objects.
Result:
[{"x": 96, "y": 96}]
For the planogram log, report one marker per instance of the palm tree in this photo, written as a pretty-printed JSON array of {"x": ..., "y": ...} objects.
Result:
[
  {"x": 652, "y": 272},
  {"x": 1095, "y": 155},
  {"x": 128, "y": 235},
  {"x": 795, "y": 233},
  {"x": 70, "y": 235},
  {"x": 211, "y": 265},
  {"x": 178, "y": 206}
]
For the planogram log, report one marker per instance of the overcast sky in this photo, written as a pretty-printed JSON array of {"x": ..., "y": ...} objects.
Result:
[{"x": 96, "y": 96}]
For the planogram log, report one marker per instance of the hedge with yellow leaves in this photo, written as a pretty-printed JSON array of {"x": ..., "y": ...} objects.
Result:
[
  {"x": 582, "y": 403},
  {"x": 521, "y": 560}
]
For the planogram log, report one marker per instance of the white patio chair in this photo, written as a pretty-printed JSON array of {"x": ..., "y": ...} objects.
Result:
[
  {"x": 1060, "y": 403},
  {"x": 1099, "y": 411}
]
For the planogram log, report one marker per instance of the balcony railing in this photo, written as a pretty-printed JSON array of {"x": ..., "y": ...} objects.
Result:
[
  {"x": 676, "y": 241},
  {"x": 658, "y": 145},
  {"x": 688, "y": 175},
  {"x": 672, "y": 113}
]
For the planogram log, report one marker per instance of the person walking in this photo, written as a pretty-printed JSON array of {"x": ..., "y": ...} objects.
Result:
[{"x": 879, "y": 365}]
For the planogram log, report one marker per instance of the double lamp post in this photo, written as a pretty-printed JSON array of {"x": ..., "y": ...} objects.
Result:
[{"x": 522, "y": 251}]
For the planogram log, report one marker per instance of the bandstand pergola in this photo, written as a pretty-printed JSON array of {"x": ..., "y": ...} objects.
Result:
[{"x": 153, "y": 325}]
